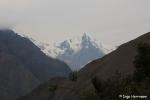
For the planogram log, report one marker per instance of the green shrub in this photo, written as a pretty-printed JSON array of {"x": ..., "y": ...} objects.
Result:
[
  {"x": 142, "y": 61},
  {"x": 97, "y": 84},
  {"x": 89, "y": 94},
  {"x": 73, "y": 76},
  {"x": 53, "y": 87}
]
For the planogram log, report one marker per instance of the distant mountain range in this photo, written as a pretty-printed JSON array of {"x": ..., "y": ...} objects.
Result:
[
  {"x": 120, "y": 62},
  {"x": 76, "y": 52},
  {"x": 23, "y": 66}
]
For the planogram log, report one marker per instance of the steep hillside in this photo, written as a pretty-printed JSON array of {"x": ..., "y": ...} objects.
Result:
[
  {"x": 43, "y": 92},
  {"x": 121, "y": 60},
  {"x": 15, "y": 79},
  {"x": 23, "y": 66}
]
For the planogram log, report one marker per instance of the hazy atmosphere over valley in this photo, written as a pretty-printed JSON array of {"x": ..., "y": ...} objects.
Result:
[
  {"x": 74, "y": 49},
  {"x": 113, "y": 22}
]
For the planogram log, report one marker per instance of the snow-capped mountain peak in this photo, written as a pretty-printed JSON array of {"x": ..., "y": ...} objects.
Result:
[{"x": 76, "y": 51}]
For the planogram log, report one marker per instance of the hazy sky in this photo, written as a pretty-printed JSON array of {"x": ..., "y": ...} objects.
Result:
[{"x": 111, "y": 21}]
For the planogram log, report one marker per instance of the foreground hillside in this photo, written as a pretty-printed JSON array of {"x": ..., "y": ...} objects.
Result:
[
  {"x": 119, "y": 63},
  {"x": 23, "y": 66}
]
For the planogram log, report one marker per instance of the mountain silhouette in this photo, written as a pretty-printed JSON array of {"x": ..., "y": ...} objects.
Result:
[{"x": 23, "y": 66}]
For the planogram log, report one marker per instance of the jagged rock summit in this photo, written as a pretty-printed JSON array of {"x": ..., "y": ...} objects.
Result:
[{"x": 76, "y": 52}]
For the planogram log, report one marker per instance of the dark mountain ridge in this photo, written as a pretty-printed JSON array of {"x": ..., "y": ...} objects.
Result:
[{"x": 23, "y": 66}]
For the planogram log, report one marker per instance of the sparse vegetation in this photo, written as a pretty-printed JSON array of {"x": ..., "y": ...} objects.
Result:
[
  {"x": 89, "y": 94},
  {"x": 136, "y": 85},
  {"x": 53, "y": 87},
  {"x": 142, "y": 62},
  {"x": 111, "y": 89},
  {"x": 73, "y": 76}
]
